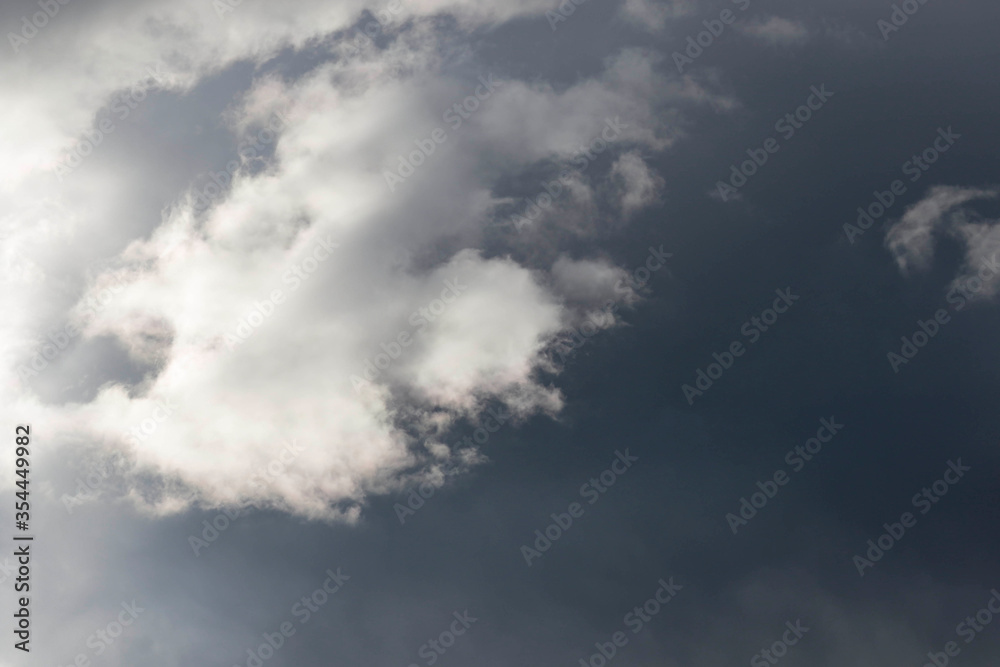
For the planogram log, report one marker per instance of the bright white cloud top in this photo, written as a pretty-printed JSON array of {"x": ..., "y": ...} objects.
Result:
[{"x": 306, "y": 302}]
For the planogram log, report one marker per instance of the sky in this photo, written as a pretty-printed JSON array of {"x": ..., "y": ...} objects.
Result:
[{"x": 471, "y": 332}]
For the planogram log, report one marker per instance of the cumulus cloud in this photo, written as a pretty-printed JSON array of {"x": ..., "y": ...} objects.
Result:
[
  {"x": 567, "y": 133},
  {"x": 310, "y": 305},
  {"x": 70, "y": 68}
]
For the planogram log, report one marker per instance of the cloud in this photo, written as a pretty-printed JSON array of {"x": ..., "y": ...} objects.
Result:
[
  {"x": 589, "y": 283},
  {"x": 776, "y": 31},
  {"x": 71, "y": 68},
  {"x": 639, "y": 186},
  {"x": 309, "y": 303},
  {"x": 911, "y": 238},
  {"x": 533, "y": 121},
  {"x": 944, "y": 212},
  {"x": 982, "y": 245},
  {"x": 653, "y": 16}
]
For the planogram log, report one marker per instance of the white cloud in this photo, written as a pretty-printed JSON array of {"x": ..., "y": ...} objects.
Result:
[
  {"x": 58, "y": 81},
  {"x": 911, "y": 239},
  {"x": 944, "y": 211},
  {"x": 776, "y": 31},
  {"x": 190, "y": 289}
]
